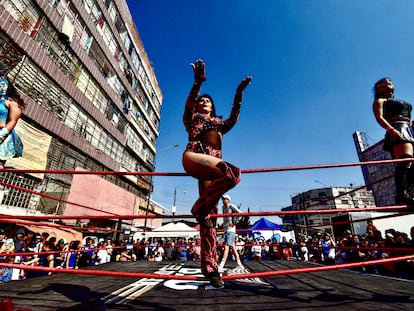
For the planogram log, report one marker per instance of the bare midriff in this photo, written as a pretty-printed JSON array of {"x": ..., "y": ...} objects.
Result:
[{"x": 212, "y": 139}]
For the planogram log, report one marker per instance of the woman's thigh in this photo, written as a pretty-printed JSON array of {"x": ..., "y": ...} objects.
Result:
[
  {"x": 402, "y": 150},
  {"x": 199, "y": 165}
]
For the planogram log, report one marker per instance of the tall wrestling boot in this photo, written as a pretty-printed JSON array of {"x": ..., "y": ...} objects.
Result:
[
  {"x": 228, "y": 176},
  {"x": 398, "y": 180},
  {"x": 403, "y": 183}
]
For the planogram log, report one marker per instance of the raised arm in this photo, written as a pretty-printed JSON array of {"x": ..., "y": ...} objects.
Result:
[
  {"x": 199, "y": 69},
  {"x": 235, "y": 110}
]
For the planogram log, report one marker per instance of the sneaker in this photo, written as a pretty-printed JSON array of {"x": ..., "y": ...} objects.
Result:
[{"x": 215, "y": 279}]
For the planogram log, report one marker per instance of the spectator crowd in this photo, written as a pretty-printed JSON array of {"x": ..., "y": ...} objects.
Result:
[{"x": 32, "y": 249}]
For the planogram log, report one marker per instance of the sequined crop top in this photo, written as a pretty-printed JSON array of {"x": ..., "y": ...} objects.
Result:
[
  {"x": 4, "y": 111},
  {"x": 200, "y": 123},
  {"x": 395, "y": 108},
  {"x": 197, "y": 124}
]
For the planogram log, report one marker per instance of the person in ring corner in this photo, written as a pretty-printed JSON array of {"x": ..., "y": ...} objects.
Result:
[
  {"x": 394, "y": 115},
  {"x": 11, "y": 108}
]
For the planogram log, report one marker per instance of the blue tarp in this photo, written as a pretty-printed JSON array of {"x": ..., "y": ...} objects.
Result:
[{"x": 264, "y": 224}]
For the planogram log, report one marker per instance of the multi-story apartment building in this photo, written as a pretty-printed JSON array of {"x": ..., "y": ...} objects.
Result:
[
  {"x": 379, "y": 177},
  {"x": 326, "y": 198},
  {"x": 92, "y": 102}
]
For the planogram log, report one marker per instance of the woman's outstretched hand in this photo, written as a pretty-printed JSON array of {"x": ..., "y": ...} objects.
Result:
[
  {"x": 243, "y": 84},
  {"x": 199, "y": 69}
]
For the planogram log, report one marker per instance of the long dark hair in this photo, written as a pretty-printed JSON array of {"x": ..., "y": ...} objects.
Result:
[
  {"x": 13, "y": 93},
  {"x": 378, "y": 94},
  {"x": 213, "y": 107}
]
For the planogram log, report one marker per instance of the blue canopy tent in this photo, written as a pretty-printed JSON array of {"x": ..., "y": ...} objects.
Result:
[{"x": 264, "y": 224}]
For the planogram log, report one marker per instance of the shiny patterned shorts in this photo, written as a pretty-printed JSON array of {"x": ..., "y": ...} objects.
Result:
[
  {"x": 406, "y": 131},
  {"x": 200, "y": 147}
]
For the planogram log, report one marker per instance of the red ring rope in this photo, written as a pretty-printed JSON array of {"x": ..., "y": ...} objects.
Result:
[
  {"x": 246, "y": 171},
  {"x": 247, "y": 275},
  {"x": 227, "y": 277}
]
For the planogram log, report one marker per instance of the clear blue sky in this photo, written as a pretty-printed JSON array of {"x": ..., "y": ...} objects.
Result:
[{"x": 313, "y": 65}]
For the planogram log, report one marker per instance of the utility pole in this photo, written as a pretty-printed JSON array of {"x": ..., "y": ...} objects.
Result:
[
  {"x": 146, "y": 212},
  {"x": 174, "y": 207}
]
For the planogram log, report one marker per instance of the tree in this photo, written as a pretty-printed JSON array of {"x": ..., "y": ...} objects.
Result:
[{"x": 244, "y": 221}]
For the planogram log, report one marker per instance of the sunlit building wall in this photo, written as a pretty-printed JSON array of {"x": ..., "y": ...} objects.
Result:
[{"x": 92, "y": 103}]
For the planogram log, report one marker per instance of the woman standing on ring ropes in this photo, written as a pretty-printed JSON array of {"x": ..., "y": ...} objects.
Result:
[
  {"x": 394, "y": 115},
  {"x": 202, "y": 160},
  {"x": 10, "y": 112}
]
